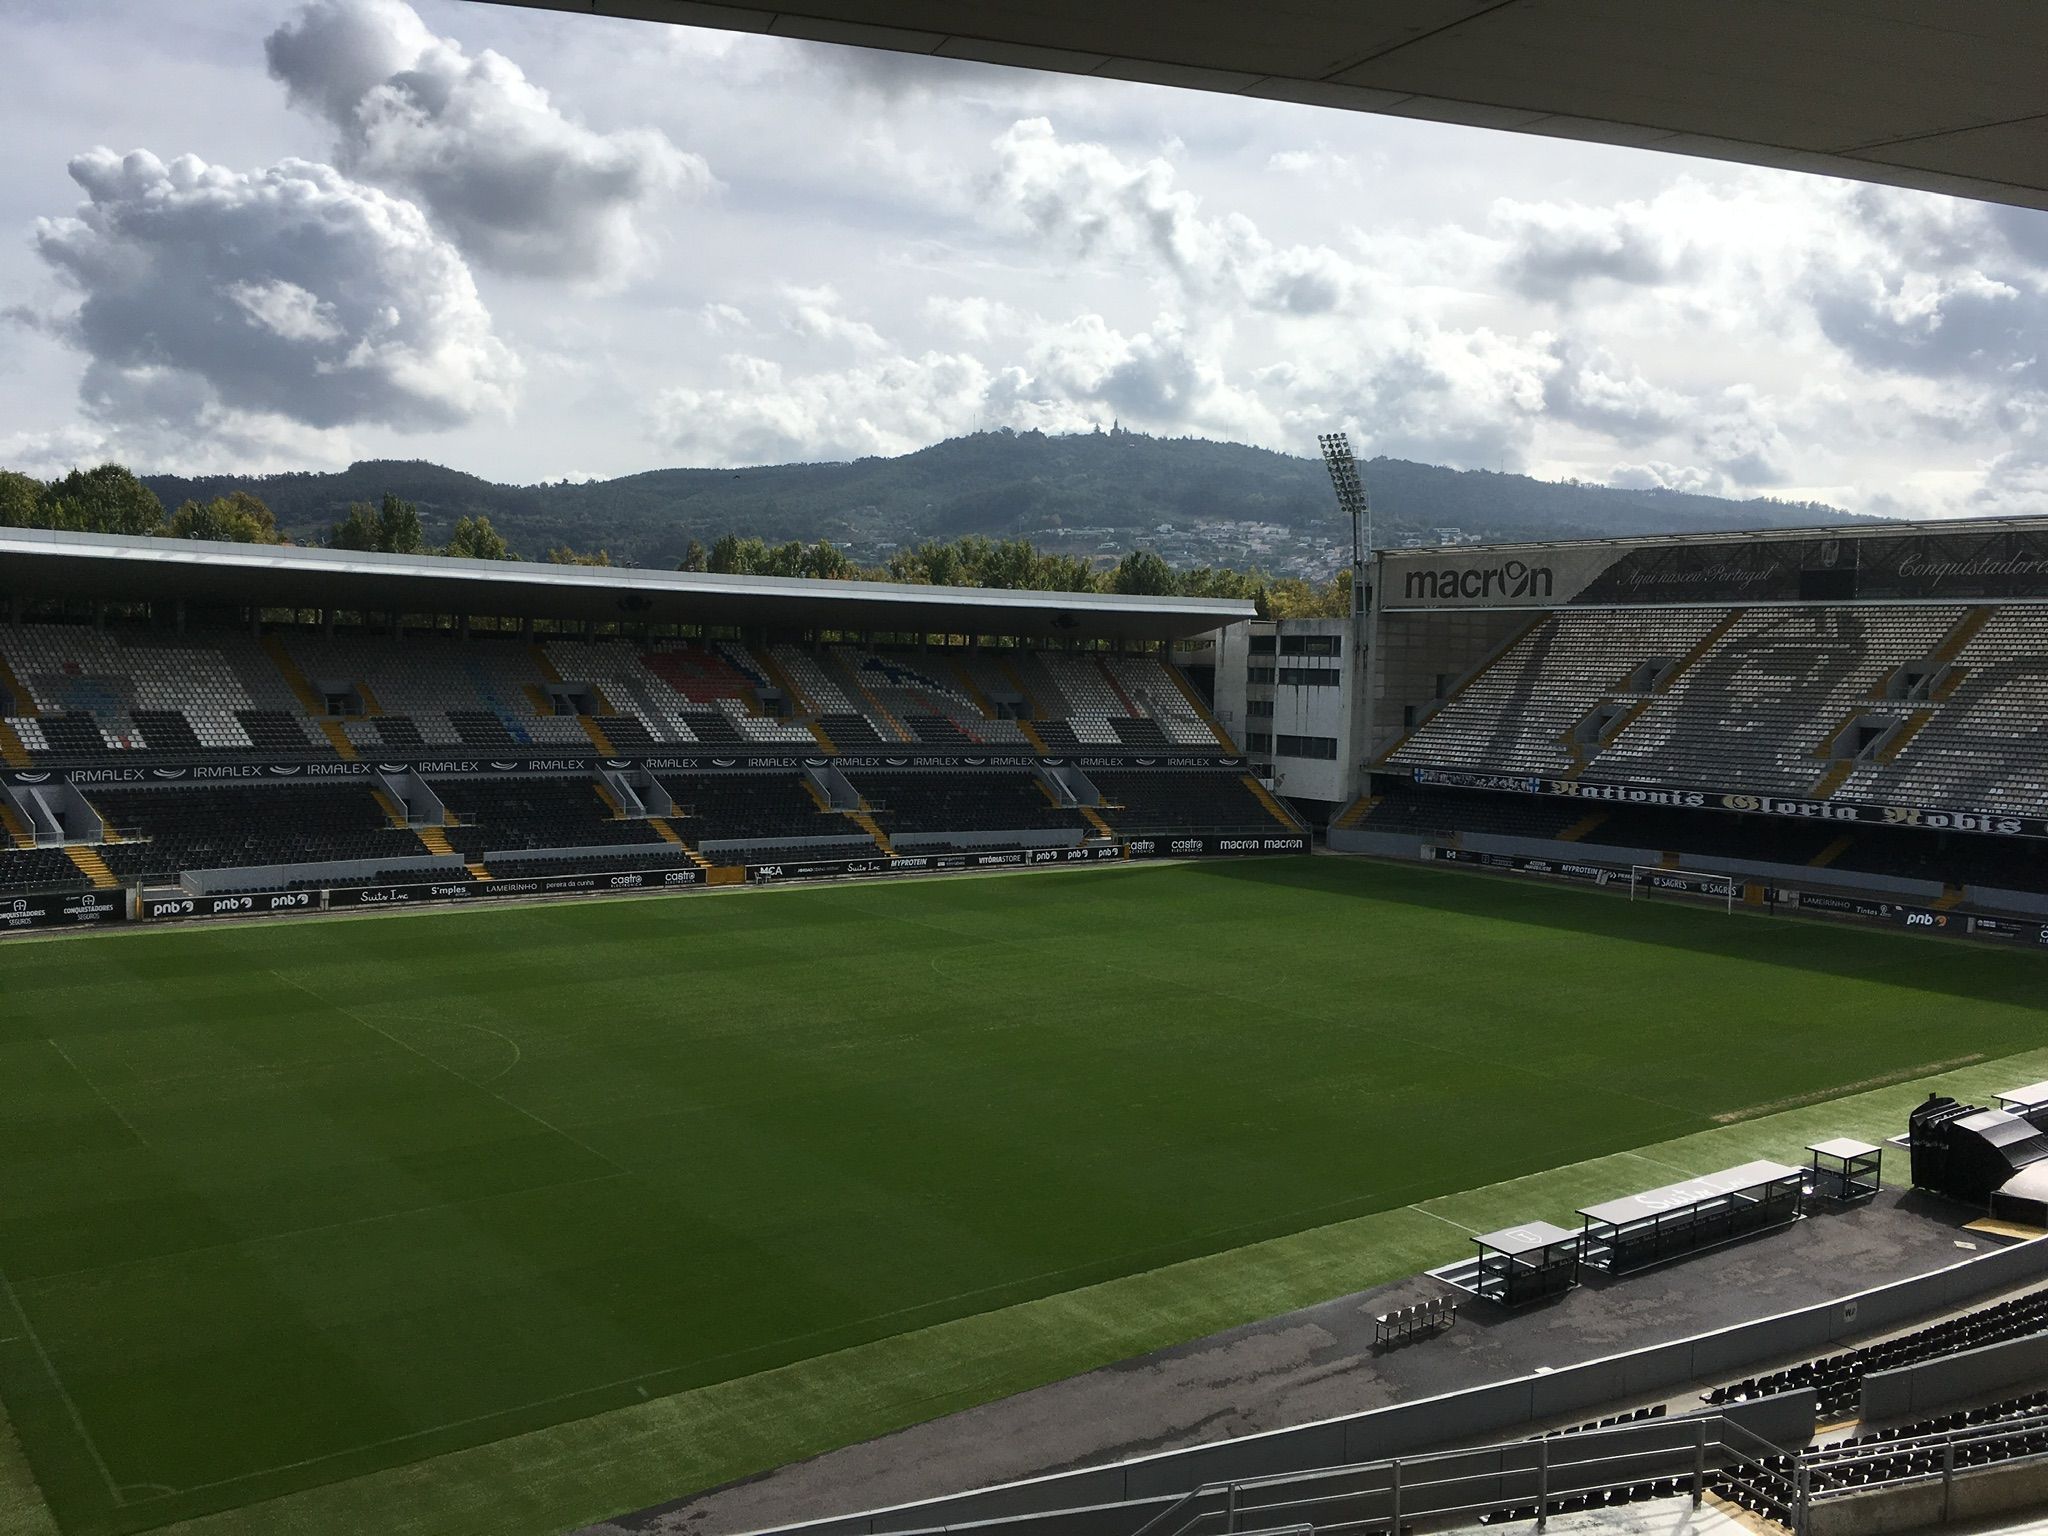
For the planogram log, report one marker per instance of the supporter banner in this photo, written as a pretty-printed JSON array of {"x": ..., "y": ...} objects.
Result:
[
  {"x": 1844, "y": 812},
  {"x": 1211, "y": 846},
  {"x": 449, "y": 767},
  {"x": 169, "y": 908},
  {"x": 60, "y": 910},
  {"x": 1916, "y": 566}
]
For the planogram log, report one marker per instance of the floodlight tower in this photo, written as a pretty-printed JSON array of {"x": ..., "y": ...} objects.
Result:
[
  {"x": 1355, "y": 504},
  {"x": 1351, "y": 499}
]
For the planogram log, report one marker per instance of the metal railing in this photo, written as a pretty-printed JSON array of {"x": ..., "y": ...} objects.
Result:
[
  {"x": 1528, "y": 1479},
  {"x": 1838, "y": 1472}
]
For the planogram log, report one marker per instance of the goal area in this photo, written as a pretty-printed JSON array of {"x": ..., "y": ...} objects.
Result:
[{"x": 1646, "y": 881}]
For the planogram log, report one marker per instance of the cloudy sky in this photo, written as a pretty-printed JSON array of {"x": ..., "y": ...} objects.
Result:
[{"x": 264, "y": 234}]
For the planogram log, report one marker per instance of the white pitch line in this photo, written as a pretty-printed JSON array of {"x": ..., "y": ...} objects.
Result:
[
  {"x": 126, "y": 1123},
  {"x": 1468, "y": 1231},
  {"x": 518, "y": 1109},
  {"x": 518, "y": 1052},
  {"x": 63, "y": 1392}
]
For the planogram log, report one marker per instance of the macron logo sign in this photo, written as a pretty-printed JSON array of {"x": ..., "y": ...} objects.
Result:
[{"x": 1505, "y": 582}]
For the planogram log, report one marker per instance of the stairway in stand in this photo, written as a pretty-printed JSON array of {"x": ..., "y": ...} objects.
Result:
[
  {"x": 17, "y": 834},
  {"x": 864, "y": 819},
  {"x": 93, "y": 867},
  {"x": 1358, "y": 810},
  {"x": 1265, "y": 798},
  {"x": 288, "y": 669},
  {"x": 1117, "y": 688}
]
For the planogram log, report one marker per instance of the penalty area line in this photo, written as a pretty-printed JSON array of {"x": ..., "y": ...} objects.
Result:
[{"x": 35, "y": 1341}]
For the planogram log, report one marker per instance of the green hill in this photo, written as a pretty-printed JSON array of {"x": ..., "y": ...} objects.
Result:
[{"x": 1101, "y": 493}]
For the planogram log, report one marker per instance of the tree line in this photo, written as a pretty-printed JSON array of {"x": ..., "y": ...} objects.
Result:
[{"x": 110, "y": 499}]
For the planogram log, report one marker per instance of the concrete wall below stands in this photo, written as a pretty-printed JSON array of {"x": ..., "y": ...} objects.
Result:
[
  {"x": 594, "y": 853},
  {"x": 1391, "y": 845},
  {"x": 2005, "y": 901},
  {"x": 1410, "y": 845},
  {"x": 1037, "y": 837},
  {"x": 1975, "y": 1495},
  {"x": 1971, "y": 1376},
  {"x": 792, "y": 846},
  {"x": 1894, "y": 887},
  {"x": 275, "y": 877}
]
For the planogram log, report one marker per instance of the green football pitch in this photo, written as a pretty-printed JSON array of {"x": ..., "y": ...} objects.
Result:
[{"x": 504, "y": 1220}]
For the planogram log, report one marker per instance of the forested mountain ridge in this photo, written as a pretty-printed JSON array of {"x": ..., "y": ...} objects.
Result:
[{"x": 1105, "y": 493}]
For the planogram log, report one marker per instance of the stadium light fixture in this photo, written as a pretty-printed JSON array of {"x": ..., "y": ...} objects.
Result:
[{"x": 1351, "y": 498}]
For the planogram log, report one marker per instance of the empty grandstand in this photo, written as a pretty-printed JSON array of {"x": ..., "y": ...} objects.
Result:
[
  {"x": 203, "y": 741},
  {"x": 1855, "y": 717}
]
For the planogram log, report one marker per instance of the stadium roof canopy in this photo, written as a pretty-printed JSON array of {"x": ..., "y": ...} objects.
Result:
[
  {"x": 35, "y": 563},
  {"x": 1947, "y": 97}
]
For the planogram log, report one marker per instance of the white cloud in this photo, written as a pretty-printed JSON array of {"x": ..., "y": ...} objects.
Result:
[
  {"x": 290, "y": 294},
  {"x": 1088, "y": 200},
  {"x": 813, "y": 314},
  {"x": 1320, "y": 161},
  {"x": 1598, "y": 392},
  {"x": 1658, "y": 476},
  {"x": 1743, "y": 440},
  {"x": 910, "y": 259},
  {"x": 520, "y": 185},
  {"x": 974, "y": 318},
  {"x": 724, "y": 319},
  {"x": 1553, "y": 250},
  {"x": 286, "y": 310},
  {"x": 761, "y": 416}
]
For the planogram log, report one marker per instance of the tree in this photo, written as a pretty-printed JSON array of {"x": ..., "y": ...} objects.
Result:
[
  {"x": 1141, "y": 573},
  {"x": 725, "y": 555},
  {"x": 564, "y": 555},
  {"x": 20, "y": 500},
  {"x": 103, "y": 499},
  {"x": 392, "y": 528},
  {"x": 694, "y": 558},
  {"x": 826, "y": 562},
  {"x": 236, "y": 518},
  {"x": 475, "y": 539}
]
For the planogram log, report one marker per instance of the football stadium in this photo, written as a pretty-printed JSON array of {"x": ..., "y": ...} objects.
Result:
[
  {"x": 502, "y": 1047},
  {"x": 509, "y": 1049}
]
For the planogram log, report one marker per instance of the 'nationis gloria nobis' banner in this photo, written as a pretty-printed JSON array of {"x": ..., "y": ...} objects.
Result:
[{"x": 1789, "y": 807}]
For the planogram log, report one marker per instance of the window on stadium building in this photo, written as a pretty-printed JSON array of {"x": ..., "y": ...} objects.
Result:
[
  {"x": 1262, "y": 645},
  {"x": 1308, "y": 677},
  {"x": 1259, "y": 709},
  {"x": 1308, "y": 645},
  {"x": 1323, "y": 748},
  {"x": 1258, "y": 741},
  {"x": 1258, "y": 675}
]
